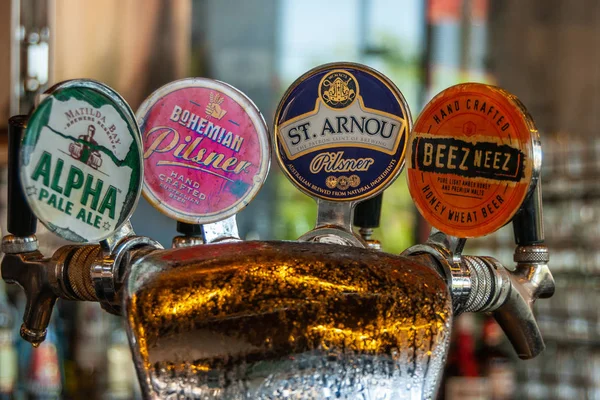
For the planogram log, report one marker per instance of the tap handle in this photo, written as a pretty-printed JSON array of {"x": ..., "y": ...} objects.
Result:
[
  {"x": 21, "y": 221},
  {"x": 81, "y": 175},
  {"x": 344, "y": 165},
  {"x": 218, "y": 160},
  {"x": 367, "y": 214},
  {"x": 470, "y": 198},
  {"x": 528, "y": 225}
]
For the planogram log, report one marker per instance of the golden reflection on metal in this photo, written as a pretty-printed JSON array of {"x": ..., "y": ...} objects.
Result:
[
  {"x": 276, "y": 300},
  {"x": 280, "y": 275}
]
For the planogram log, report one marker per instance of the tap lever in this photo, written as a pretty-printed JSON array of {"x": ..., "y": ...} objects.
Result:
[
  {"x": 468, "y": 198},
  {"x": 528, "y": 224},
  {"x": 21, "y": 220},
  {"x": 367, "y": 215}
]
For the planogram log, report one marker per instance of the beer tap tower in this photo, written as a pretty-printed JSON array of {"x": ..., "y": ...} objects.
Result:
[{"x": 326, "y": 315}]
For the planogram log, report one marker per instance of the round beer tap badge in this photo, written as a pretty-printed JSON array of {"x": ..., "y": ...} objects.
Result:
[
  {"x": 341, "y": 132},
  {"x": 473, "y": 155},
  {"x": 81, "y": 162},
  {"x": 206, "y": 150}
]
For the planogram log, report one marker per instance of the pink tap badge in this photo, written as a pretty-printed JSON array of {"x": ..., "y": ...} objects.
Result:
[{"x": 206, "y": 150}]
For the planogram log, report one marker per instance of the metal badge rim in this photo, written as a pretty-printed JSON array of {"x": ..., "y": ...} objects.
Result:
[
  {"x": 259, "y": 123},
  {"x": 118, "y": 102},
  {"x": 534, "y": 147},
  {"x": 363, "y": 68}
]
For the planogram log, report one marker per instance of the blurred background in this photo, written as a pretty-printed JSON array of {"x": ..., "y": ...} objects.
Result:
[{"x": 547, "y": 52}]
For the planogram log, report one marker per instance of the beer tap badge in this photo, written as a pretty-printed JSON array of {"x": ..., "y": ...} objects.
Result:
[
  {"x": 473, "y": 156},
  {"x": 341, "y": 132},
  {"x": 206, "y": 150},
  {"x": 81, "y": 161}
]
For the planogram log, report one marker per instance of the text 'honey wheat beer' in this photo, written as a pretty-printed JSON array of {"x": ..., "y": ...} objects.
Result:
[
  {"x": 206, "y": 150},
  {"x": 341, "y": 131},
  {"x": 81, "y": 162},
  {"x": 474, "y": 155}
]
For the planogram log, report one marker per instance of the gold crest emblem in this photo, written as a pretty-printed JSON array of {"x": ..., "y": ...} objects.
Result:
[{"x": 338, "y": 89}]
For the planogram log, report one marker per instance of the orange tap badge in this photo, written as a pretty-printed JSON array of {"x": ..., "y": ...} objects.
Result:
[{"x": 473, "y": 157}]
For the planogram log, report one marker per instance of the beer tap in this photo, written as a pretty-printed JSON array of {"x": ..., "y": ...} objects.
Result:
[
  {"x": 250, "y": 312},
  {"x": 230, "y": 136},
  {"x": 437, "y": 177},
  {"x": 531, "y": 279},
  {"x": 368, "y": 156},
  {"x": 21, "y": 246},
  {"x": 74, "y": 198}
]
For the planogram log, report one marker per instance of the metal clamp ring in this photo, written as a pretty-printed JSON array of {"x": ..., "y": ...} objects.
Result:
[{"x": 107, "y": 274}]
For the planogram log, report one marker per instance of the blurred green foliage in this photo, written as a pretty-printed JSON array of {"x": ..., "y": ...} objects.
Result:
[{"x": 297, "y": 213}]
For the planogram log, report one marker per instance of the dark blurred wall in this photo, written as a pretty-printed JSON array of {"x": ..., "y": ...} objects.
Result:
[
  {"x": 5, "y": 15},
  {"x": 547, "y": 52},
  {"x": 134, "y": 46}
]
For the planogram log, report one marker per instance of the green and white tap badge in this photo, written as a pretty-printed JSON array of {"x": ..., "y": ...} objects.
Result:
[{"x": 81, "y": 162}]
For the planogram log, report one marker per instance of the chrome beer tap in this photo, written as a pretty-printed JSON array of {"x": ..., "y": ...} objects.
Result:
[
  {"x": 369, "y": 139},
  {"x": 21, "y": 246},
  {"x": 74, "y": 199},
  {"x": 483, "y": 284}
]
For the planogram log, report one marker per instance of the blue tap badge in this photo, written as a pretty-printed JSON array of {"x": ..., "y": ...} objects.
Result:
[{"x": 341, "y": 131}]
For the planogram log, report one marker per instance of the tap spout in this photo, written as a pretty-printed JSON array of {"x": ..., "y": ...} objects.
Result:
[{"x": 29, "y": 271}]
